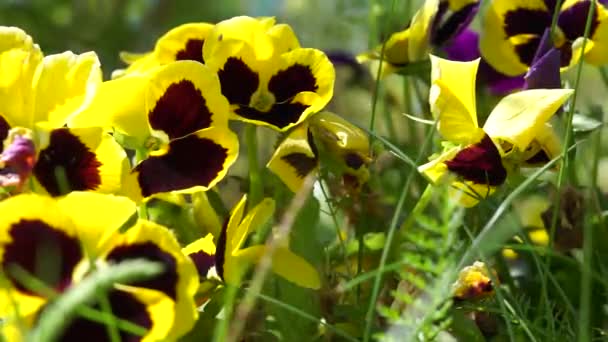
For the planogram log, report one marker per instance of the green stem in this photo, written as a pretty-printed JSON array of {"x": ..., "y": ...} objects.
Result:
[
  {"x": 565, "y": 163},
  {"x": 256, "y": 190}
]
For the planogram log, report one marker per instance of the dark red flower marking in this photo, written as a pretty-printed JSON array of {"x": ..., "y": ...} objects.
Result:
[
  {"x": 166, "y": 281},
  {"x": 190, "y": 161},
  {"x": 289, "y": 82},
  {"x": 67, "y": 155},
  {"x": 479, "y": 163},
  {"x": 279, "y": 115},
  {"x": 302, "y": 163},
  {"x": 180, "y": 111},
  {"x": 124, "y": 307},
  {"x": 238, "y": 81},
  {"x": 192, "y": 51},
  {"x": 539, "y": 158},
  {"x": 43, "y": 251},
  {"x": 203, "y": 262}
]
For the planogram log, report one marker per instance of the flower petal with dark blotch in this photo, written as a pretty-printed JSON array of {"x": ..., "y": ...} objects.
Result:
[
  {"x": 279, "y": 115},
  {"x": 203, "y": 262},
  {"x": 302, "y": 163},
  {"x": 526, "y": 21},
  {"x": 180, "y": 111},
  {"x": 287, "y": 83},
  {"x": 454, "y": 24},
  {"x": 479, "y": 163},
  {"x": 190, "y": 161},
  {"x": 67, "y": 155},
  {"x": 4, "y": 128},
  {"x": 572, "y": 20},
  {"x": 165, "y": 282},
  {"x": 238, "y": 81},
  {"x": 124, "y": 306},
  {"x": 527, "y": 50},
  {"x": 192, "y": 51},
  {"x": 45, "y": 252}
]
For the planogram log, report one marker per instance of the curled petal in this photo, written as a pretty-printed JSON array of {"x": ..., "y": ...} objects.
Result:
[
  {"x": 518, "y": 117},
  {"x": 452, "y": 99},
  {"x": 294, "y": 159}
]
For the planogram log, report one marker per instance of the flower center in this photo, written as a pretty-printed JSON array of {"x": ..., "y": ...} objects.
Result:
[{"x": 262, "y": 101}]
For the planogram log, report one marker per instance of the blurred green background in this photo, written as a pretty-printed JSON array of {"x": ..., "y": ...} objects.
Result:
[{"x": 111, "y": 26}]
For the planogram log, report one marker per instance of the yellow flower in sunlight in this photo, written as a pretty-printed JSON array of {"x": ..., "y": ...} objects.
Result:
[
  {"x": 265, "y": 75},
  {"x": 38, "y": 96},
  {"x": 474, "y": 282},
  {"x": 477, "y": 155},
  {"x": 184, "y": 42},
  {"x": 59, "y": 241},
  {"x": 229, "y": 259},
  {"x": 344, "y": 147},
  {"x": 178, "y": 117}
]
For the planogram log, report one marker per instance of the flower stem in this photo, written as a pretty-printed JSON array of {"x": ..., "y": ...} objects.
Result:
[{"x": 256, "y": 191}]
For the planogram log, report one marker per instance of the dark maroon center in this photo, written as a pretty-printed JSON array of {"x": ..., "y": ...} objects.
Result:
[
  {"x": 166, "y": 281},
  {"x": 479, "y": 163},
  {"x": 302, "y": 163},
  {"x": 190, "y": 161},
  {"x": 238, "y": 81},
  {"x": 44, "y": 252},
  {"x": 67, "y": 164},
  {"x": 124, "y": 306},
  {"x": 203, "y": 262},
  {"x": 289, "y": 82},
  {"x": 180, "y": 111},
  {"x": 192, "y": 51}
]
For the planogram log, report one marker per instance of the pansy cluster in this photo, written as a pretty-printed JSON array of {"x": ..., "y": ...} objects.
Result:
[{"x": 82, "y": 158}]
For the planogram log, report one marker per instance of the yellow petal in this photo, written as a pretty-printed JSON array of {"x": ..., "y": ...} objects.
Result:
[
  {"x": 285, "y": 264},
  {"x": 234, "y": 224},
  {"x": 19, "y": 58},
  {"x": 204, "y": 214},
  {"x": 420, "y": 31},
  {"x": 119, "y": 104},
  {"x": 452, "y": 100},
  {"x": 598, "y": 55},
  {"x": 255, "y": 218},
  {"x": 436, "y": 169},
  {"x": 65, "y": 84},
  {"x": 91, "y": 210},
  {"x": 204, "y": 244},
  {"x": 244, "y": 29},
  {"x": 518, "y": 117}
]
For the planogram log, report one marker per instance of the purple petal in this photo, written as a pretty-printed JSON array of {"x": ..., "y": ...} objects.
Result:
[
  {"x": 464, "y": 47},
  {"x": 445, "y": 28}
]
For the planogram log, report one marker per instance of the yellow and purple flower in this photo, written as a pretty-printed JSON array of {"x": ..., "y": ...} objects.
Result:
[
  {"x": 511, "y": 135},
  {"x": 513, "y": 31}
]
